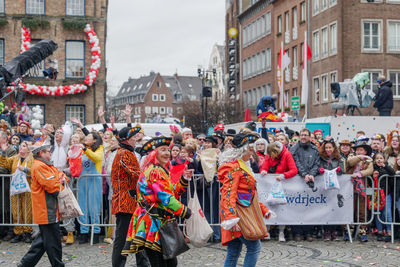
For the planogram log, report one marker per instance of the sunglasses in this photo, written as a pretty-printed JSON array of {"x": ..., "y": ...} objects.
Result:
[{"x": 201, "y": 139}]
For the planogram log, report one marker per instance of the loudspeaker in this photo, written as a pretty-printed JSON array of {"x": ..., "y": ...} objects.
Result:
[{"x": 207, "y": 91}]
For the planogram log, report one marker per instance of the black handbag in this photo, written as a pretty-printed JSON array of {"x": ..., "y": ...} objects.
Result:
[{"x": 172, "y": 241}]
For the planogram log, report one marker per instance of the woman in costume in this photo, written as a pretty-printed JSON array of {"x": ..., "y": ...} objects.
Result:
[
  {"x": 157, "y": 203},
  {"x": 239, "y": 189}
]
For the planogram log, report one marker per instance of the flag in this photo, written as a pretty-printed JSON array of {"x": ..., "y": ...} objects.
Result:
[
  {"x": 283, "y": 63},
  {"x": 306, "y": 57}
]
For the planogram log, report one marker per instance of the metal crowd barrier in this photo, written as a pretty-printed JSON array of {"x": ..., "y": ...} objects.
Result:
[{"x": 209, "y": 198}]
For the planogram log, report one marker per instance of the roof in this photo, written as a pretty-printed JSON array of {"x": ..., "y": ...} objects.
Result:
[
  {"x": 190, "y": 85},
  {"x": 136, "y": 86}
]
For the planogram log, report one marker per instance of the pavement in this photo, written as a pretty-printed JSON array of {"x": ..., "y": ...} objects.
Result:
[{"x": 274, "y": 253}]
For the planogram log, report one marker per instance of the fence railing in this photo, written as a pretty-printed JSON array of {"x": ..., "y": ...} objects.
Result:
[{"x": 16, "y": 211}]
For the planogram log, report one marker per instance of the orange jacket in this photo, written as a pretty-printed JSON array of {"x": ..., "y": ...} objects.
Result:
[
  {"x": 124, "y": 176},
  {"x": 44, "y": 191},
  {"x": 238, "y": 185}
]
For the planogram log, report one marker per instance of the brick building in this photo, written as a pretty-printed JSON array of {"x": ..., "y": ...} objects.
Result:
[
  {"x": 63, "y": 22},
  {"x": 353, "y": 36},
  {"x": 346, "y": 37},
  {"x": 155, "y": 95}
]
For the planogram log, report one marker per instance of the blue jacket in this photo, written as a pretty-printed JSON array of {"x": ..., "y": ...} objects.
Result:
[{"x": 384, "y": 98}]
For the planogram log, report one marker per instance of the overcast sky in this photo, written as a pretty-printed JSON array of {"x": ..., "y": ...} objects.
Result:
[{"x": 161, "y": 35}]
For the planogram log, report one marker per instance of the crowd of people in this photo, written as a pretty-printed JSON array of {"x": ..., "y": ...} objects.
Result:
[{"x": 138, "y": 183}]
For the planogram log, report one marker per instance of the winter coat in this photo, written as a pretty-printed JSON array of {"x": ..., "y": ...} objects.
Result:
[
  {"x": 366, "y": 167},
  {"x": 261, "y": 156},
  {"x": 384, "y": 98},
  {"x": 9, "y": 152},
  {"x": 387, "y": 170},
  {"x": 286, "y": 166},
  {"x": 332, "y": 163},
  {"x": 306, "y": 157},
  {"x": 44, "y": 192}
]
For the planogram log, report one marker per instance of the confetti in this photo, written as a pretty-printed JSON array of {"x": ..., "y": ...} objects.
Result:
[
  {"x": 102, "y": 246},
  {"x": 373, "y": 263},
  {"x": 358, "y": 257}
]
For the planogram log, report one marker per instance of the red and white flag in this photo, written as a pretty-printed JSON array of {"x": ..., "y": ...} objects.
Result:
[
  {"x": 306, "y": 57},
  {"x": 283, "y": 63}
]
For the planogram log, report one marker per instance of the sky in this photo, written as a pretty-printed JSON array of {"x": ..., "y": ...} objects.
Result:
[{"x": 166, "y": 36}]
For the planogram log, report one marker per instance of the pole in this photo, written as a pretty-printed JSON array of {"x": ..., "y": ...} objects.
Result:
[
  {"x": 305, "y": 69},
  {"x": 308, "y": 64},
  {"x": 282, "y": 100}
]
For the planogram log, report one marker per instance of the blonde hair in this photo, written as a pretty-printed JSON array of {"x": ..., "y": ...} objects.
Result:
[{"x": 273, "y": 149}]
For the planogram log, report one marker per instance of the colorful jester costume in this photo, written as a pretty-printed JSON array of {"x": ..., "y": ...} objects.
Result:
[{"x": 158, "y": 202}]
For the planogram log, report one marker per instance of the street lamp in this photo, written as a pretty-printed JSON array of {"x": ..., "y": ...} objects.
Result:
[{"x": 206, "y": 84}]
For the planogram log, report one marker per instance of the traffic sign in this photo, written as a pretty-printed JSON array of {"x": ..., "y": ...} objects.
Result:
[{"x": 295, "y": 103}]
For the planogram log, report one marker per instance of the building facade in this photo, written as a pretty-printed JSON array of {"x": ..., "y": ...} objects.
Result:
[
  {"x": 155, "y": 97},
  {"x": 345, "y": 38},
  {"x": 63, "y": 22},
  {"x": 217, "y": 65},
  {"x": 349, "y": 37}
]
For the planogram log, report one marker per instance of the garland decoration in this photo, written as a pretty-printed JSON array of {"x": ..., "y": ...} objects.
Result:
[{"x": 64, "y": 89}]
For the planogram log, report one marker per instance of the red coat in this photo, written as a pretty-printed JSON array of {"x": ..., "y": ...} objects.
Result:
[{"x": 287, "y": 166}]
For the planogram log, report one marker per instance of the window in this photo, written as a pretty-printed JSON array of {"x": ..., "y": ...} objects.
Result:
[
  {"x": 148, "y": 84},
  {"x": 74, "y": 59},
  {"x": 263, "y": 61},
  {"x": 287, "y": 22},
  {"x": 324, "y": 5},
  {"x": 395, "y": 79},
  {"x": 162, "y": 110},
  {"x": 75, "y": 111},
  {"x": 154, "y": 97},
  {"x": 315, "y": 7},
  {"x": 316, "y": 90},
  {"x": 34, "y": 7},
  {"x": 268, "y": 22},
  {"x": 37, "y": 70},
  {"x": 371, "y": 35},
  {"x": 394, "y": 36},
  {"x": 268, "y": 58},
  {"x": 269, "y": 89},
  {"x": 162, "y": 97},
  {"x": 332, "y": 3},
  {"x": 324, "y": 85},
  {"x": 254, "y": 102},
  {"x": 1, "y": 6},
  {"x": 280, "y": 24},
  {"x": 295, "y": 93},
  {"x": 167, "y": 85},
  {"x": 42, "y": 108},
  {"x": 373, "y": 77},
  {"x": 154, "y": 109},
  {"x": 1, "y": 52},
  {"x": 294, "y": 12},
  {"x": 333, "y": 80},
  {"x": 287, "y": 98},
  {"x": 324, "y": 42},
  {"x": 333, "y": 40},
  {"x": 147, "y": 110},
  {"x": 170, "y": 110},
  {"x": 263, "y": 25},
  {"x": 303, "y": 11},
  {"x": 316, "y": 45},
  {"x": 295, "y": 56},
  {"x": 75, "y": 7}
]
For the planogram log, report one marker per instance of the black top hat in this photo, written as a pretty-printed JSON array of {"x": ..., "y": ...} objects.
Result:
[
  {"x": 363, "y": 144},
  {"x": 231, "y": 132},
  {"x": 242, "y": 139},
  {"x": 212, "y": 139},
  {"x": 154, "y": 143}
]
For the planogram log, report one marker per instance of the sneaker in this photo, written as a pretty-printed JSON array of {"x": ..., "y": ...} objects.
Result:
[
  {"x": 298, "y": 238},
  {"x": 364, "y": 238},
  {"x": 70, "y": 238},
  {"x": 110, "y": 241},
  {"x": 335, "y": 237},
  {"x": 282, "y": 237},
  {"x": 16, "y": 239},
  {"x": 309, "y": 238},
  {"x": 327, "y": 236},
  {"x": 346, "y": 237},
  {"x": 83, "y": 239}
]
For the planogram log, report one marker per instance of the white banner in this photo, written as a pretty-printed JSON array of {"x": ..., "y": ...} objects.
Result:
[{"x": 307, "y": 207}]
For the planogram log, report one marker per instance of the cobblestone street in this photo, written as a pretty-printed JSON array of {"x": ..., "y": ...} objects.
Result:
[{"x": 317, "y": 253}]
